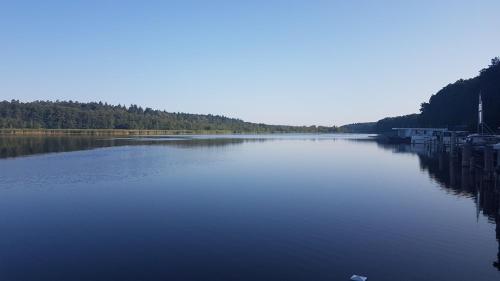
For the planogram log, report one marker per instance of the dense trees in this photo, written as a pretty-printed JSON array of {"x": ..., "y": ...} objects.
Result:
[
  {"x": 454, "y": 107},
  {"x": 456, "y": 104},
  {"x": 405, "y": 121},
  {"x": 383, "y": 125},
  {"x": 362, "y": 128},
  {"x": 98, "y": 115}
]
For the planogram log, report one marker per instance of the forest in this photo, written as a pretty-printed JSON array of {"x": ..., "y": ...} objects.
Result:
[
  {"x": 454, "y": 107},
  {"x": 98, "y": 115}
]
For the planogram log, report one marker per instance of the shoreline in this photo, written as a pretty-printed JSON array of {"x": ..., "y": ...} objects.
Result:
[
  {"x": 132, "y": 132},
  {"x": 107, "y": 132}
]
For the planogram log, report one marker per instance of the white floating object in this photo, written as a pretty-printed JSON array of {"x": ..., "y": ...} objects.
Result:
[{"x": 358, "y": 278}]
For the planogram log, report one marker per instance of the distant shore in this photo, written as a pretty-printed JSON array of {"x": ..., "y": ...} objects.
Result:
[{"x": 106, "y": 132}]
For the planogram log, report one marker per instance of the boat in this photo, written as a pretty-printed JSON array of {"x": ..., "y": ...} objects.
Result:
[
  {"x": 482, "y": 139},
  {"x": 420, "y": 135}
]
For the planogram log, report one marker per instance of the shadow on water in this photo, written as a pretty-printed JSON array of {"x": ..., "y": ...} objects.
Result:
[
  {"x": 18, "y": 146},
  {"x": 446, "y": 170},
  {"x": 463, "y": 181}
]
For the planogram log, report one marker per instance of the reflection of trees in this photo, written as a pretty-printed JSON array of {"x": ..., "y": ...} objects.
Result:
[
  {"x": 460, "y": 181},
  {"x": 20, "y": 146},
  {"x": 15, "y": 146},
  {"x": 438, "y": 164}
]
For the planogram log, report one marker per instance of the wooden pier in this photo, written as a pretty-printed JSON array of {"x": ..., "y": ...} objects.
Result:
[{"x": 484, "y": 158}]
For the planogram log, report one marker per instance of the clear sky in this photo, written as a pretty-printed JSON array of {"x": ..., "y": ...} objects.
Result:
[{"x": 279, "y": 62}]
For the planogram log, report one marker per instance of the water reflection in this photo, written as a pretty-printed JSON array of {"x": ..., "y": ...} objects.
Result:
[
  {"x": 186, "y": 198},
  {"x": 16, "y": 146},
  {"x": 23, "y": 146},
  {"x": 459, "y": 180}
]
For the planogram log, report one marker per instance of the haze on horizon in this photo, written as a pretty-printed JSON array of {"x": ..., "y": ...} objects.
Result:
[{"x": 276, "y": 62}]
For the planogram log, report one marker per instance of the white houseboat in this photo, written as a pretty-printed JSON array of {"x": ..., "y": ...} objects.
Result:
[
  {"x": 482, "y": 139},
  {"x": 423, "y": 135}
]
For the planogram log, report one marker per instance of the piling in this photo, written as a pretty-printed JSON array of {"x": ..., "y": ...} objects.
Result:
[
  {"x": 472, "y": 164},
  {"x": 451, "y": 165},
  {"x": 497, "y": 174},
  {"x": 498, "y": 160},
  {"x": 488, "y": 159},
  {"x": 465, "y": 178},
  {"x": 453, "y": 143},
  {"x": 441, "y": 157},
  {"x": 466, "y": 154}
]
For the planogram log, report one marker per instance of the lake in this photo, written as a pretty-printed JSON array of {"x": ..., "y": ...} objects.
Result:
[{"x": 243, "y": 207}]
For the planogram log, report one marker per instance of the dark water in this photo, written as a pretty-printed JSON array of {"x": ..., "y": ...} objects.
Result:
[{"x": 299, "y": 207}]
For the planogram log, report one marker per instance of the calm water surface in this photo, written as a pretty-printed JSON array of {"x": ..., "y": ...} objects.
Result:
[{"x": 286, "y": 207}]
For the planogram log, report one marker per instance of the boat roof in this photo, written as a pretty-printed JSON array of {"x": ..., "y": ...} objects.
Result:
[
  {"x": 484, "y": 136},
  {"x": 431, "y": 129}
]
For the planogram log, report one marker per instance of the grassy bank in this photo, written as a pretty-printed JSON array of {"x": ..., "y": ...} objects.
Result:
[{"x": 105, "y": 132}]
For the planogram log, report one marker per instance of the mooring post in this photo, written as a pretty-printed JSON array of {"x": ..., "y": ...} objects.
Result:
[
  {"x": 441, "y": 160},
  {"x": 497, "y": 170},
  {"x": 453, "y": 143},
  {"x": 472, "y": 163},
  {"x": 488, "y": 159},
  {"x": 453, "y": 180},
  {"x": 465, "y": 178},
  {"x": 498, "y": 159},
  {"x": 466, "y": 154}
]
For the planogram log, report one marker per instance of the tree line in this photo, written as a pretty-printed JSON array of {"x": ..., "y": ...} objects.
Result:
[
  {"x": 454, "y": 107},
  {"x": 99, "y": 115}
]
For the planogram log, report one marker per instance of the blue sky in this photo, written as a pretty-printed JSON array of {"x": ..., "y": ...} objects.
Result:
[{"x": 279, "y": 62}]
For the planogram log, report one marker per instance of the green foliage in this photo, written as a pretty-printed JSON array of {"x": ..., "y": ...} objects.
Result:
[
  {"x": 405, "y": 121},
  {"x": 98, "y": 115},
  {"x": 362, "y": 128},
  {"x": 455, "y": 106}
]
